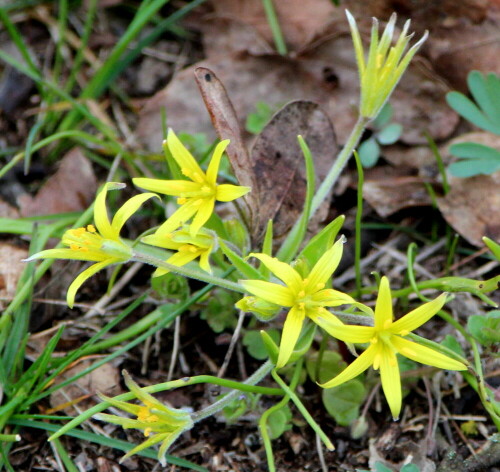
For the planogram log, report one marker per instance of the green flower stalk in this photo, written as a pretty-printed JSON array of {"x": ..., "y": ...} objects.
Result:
[
  {"x": 197, "y": 196},
  {"x": 188, "y": 247},
  {"x": 100, "y": 243},
  {"x": 386, "y": 339},
  {"x": 384, "y": 65},
  {"x": 160, "y": 423},
  {"x": 306, "y": 297}
]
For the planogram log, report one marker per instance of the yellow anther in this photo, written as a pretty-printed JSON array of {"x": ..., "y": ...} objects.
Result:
[
  {"x": 387, "y": 324},
  {"x": 84, "y": 249},
  {"x": 380, "y": 58},
  {"x": 192, "y": 249},
  {"x": 181, "y": 200},
  {"x": 185, "y": 171},
  {"x": 374, "y": 340},
  {"x": 302, "y": 294},
  {"x": 320, "y": 286},
  {"x": 198, "y": 202},
  {"x": 206, "y": 189},
  {"x": 91, "y": 229},
  {"x": 305, "y": 281},
  {"x": 404, "y": 332},
  {"x": 147, "y": 432},
  {"x": 376, "y": 361},
  {"x": 393, "y": 361},
  {"x": 302, "y": 306},
  {"x": 74, "y": 247}
]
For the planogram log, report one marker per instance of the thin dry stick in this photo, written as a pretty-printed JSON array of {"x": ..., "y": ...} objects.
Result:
[
  {"x": 175, "y": 348},
  {"x": 429, "y": 442},
  {"x": 232, "y": 344},
  {"x": 100, "y": 305},
  {"x": 319, "y": 448}
]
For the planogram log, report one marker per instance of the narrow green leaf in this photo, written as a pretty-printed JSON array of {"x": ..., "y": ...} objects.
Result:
[{"x": 241, "y": 265}]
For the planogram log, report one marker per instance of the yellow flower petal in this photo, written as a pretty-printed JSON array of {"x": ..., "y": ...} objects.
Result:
[
  {"x": 418, "y": 353},
  {"x": 290, "y": 335},
  {"x": 101, "y": 218},
  {"x": 330, "y": 297},
  {"x": 273, "y": 293},
  {"x": 418, "y": 316},
  {"x": 128, "y": 209},
  {"x": 81, "y": 278},
  {"x": 283, "y": 271},
  {"x": 203, "y": 213},
  {"x": 176, "y": 188},
  {"x": 178, "y": 218},
  {"x": 228, "y": 192},
  {"x": 350, "y": 333},
  {"x": 182, "y": 156},
  {"x": 391, "y": 381},
  {"x": 70, "y": 254},
  {"x": 213, "y": 167},
  {"x": 362, "y": 363},
  {"x": 326, "y": 265},
  {"x": 383, "y": 308}
]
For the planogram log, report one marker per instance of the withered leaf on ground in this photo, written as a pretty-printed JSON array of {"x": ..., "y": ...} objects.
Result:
[
  {"x": 388, "y": 190},
  {"x": 472, "y": 207},
  {"x": 278, "y": 162},
  {"x": 226, "y": 124},
  {"x": 71, "y": 188},
  {"x": 11, "y": 268}
]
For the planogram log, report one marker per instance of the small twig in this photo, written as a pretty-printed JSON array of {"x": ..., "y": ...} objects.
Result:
[
  {"x": 321, "y": 455},
  {"x": 175, "y": 348},
  {"x": 232, "y": 344}
]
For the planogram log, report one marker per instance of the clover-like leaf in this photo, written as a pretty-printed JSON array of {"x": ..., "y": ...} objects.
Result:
[
  {"x": 475, "y": 159},
  {"x": 369, "y": 152},
  {"x": 485, "y": 111},
  {"x": 486, "y": 329},
  {"x": 343, "y": 402}
]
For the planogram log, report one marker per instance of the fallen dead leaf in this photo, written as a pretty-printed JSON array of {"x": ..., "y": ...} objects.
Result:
[
  {"x": 11, "y": 269},
  {"x": 71, "y": 188},
  {"x": 243, "y": 15},
  {"x": 389, "y": 189},
  {"x": 105, "y": 379},
  {"x": 278, "y": 162},
  {"x": 472, "y": 207},
  {"x": 7, "y": 211},
  {"x": 462, "y": 46}
]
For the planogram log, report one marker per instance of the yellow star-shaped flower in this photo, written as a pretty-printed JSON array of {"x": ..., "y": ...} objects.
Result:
[
  {"x": 158, "y": 422},
  {"x": 384, "y": 65},
  {"x": 187, "y": 247},
  {"x": 197, "y": 196},
  {"x": 306, "y": 297},
  {"x": 100, "y": 243},
  {"x": 386, "y": 339}
]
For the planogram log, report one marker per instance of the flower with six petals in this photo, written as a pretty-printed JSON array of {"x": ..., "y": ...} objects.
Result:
[
  {"x": 197, "y": 196},
  {"x": 188, "y": 247},
  {"x": 386, "y": 339},
  {"x": 384, "y": 65},
  {"x": 100, "y": 243},
  {"x": 306, "y": 297},
  {"x": 159, "y": 422}
]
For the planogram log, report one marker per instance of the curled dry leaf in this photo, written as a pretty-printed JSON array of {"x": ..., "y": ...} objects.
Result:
[
  {"x": 472, "y": 207},
  {"x": 388, "y": 190},
  {"x": 278, "y": 162},
  {"x": 71, "y": 188}
]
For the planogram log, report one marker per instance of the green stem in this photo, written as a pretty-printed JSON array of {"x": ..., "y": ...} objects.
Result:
[
  {"x": 359, "y": 214},
  {"x": 10, "y": 437},
  {"x": 256, "y": 377},
  {"x": 315, "y": 426},
  {"x": 192, "y": 274},
  {"x": 339, "y": 164},
  {"x": 272, "y": 19},
  {"x": 246, "y": 386}
]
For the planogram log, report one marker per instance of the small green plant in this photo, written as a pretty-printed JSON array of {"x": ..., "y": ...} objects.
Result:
[
  {"x": 384, "y": 133},
  {"x": 483, "y": 112},
  {"x": 257, "y": 120}
]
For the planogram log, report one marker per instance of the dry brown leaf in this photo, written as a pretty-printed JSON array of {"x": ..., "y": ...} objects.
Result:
[
  {"x": 278, "y": 162},
  {"x": 388, "y": 190},
  {"x": 472, "y": 207},
  {"x": 7, "y": 211},
  {"x": 71, "y": 188},
  {"x": 225, "y": 122},
  {"x": 458, "y": 48},
  {"x": 240, "y": 17},
  {"x": 247, "y": 79},
  {"x": 11, "y": 268},
  {"x": 105, "y": 379}
]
